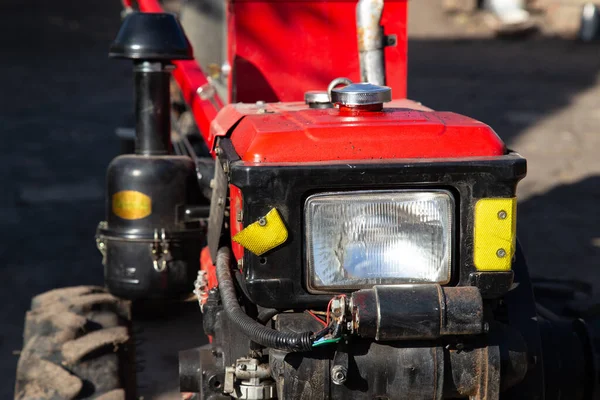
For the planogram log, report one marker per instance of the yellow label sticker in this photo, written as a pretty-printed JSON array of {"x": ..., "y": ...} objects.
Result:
[{"x": 129, "y": 204}]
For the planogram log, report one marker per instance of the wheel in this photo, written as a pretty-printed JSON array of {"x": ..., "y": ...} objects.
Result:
[{"x": 76, "y": 344}]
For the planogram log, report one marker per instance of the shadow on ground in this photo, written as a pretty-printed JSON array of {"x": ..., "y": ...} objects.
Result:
[
  {"x": 560, "y": 231},
  {"x": 507, "y": 84}
]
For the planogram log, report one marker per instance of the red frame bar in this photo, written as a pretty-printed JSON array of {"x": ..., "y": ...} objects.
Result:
[{"x": 191, "y": 79}]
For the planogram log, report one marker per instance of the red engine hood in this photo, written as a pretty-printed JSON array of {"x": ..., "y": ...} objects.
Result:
[{"x": 291, "y": 132}]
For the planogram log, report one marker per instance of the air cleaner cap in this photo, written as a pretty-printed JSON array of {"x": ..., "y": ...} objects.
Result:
[
  {"x": 361, "y": 94},
  {"x": 151, "y": 36}
]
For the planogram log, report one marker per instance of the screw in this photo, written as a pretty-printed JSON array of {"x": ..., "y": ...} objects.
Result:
[
  {"x": 502, "y": 214},
  {"x": 501, "y": 253},
  {"x": 339, "y": 374},
  {"x": 262, "y": 221}
]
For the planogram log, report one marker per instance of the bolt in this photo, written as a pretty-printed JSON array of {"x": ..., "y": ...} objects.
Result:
[
  {"x": 502, "y": 214},
  {"x": 205, "y": 91},
  {"x": 240, "y": 263},
  {"x": 486, "y": 327},
  {"x": 220, "y": 201},
  {"x": 225, "y": 70},
  {"x": 501, "y": 253},
  {"x": 226, "y": 168},
  {"x": 262, "y": 221},
  {"x": 239, "y": 216},
  {"x": 218, "y": 151},
  {"x": 391, "y": 40},
  {"x": 212, "y": 183},
  {"x": 339, "y": 374}
]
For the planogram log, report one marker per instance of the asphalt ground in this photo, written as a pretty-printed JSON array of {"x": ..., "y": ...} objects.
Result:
[{"x": 62, "y": 98}]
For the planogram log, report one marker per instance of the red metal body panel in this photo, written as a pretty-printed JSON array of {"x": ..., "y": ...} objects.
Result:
[
  {"x": 279, "y": 49},
  {"x": 209, "y": 268},
  {"x": 207, "y": 265},
  {"x": 190, "y": 78},
  {"x": 236, "y": 202},
  {"x": 291, "y": 132},
  {"x": 150, "y": 6}
]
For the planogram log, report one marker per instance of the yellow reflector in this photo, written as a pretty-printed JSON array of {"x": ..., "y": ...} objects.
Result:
[
  {"x": 264, "y": 234},
  {"x": 495, "y": 234}
]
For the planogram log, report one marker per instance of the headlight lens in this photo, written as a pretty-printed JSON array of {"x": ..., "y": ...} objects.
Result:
[{"x": 360, "y": 239}]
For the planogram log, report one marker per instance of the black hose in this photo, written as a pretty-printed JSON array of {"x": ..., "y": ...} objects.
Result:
[
  {"x": 267, "y": 314},
  {"x": 288, "y": 341}
]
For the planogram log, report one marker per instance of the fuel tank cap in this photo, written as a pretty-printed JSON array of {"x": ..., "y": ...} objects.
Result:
[{"x": 361, "y": 94}]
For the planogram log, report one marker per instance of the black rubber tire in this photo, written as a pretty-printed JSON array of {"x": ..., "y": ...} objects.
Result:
[{"x": 77, "y": 345}]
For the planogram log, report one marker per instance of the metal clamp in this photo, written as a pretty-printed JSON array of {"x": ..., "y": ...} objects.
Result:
[
  {"x": 101, "y": 242},
  {"x": 161, "y": 254},
  {"x": 249, "y": 379}
]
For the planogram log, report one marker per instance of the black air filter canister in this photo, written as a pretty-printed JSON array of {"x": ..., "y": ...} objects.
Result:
[
  {"x": 150, "y": 248},
  {"x": 153, "y": 232}
]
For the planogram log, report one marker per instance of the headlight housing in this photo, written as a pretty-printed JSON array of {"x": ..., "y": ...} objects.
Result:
[{"x": 365, "y": 238}]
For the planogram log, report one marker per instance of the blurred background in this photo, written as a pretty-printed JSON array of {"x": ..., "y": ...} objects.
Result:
[{"x": 62, "y": 99}]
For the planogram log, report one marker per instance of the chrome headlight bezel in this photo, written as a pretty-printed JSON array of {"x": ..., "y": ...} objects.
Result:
[{"x": 407, "y": 195}]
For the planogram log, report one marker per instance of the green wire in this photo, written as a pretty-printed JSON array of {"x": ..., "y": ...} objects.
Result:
[{"x": 327, "y": 341}]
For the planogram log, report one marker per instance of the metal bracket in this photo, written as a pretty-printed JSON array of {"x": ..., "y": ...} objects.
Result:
[{"x": 218, "y": 202}]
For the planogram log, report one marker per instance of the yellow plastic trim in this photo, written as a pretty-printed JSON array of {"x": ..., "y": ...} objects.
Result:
[
  {"x": 495, "y": 234},
  {"x": 263, "y": 235}
]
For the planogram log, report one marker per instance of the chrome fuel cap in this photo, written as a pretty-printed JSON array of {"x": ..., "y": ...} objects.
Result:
[{"x": 361, "y": 94}]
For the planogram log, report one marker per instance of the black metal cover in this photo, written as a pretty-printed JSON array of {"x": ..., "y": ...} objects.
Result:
[
  {"x": 151, "y": 37},
  {"x": 276, "y": 280}
]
